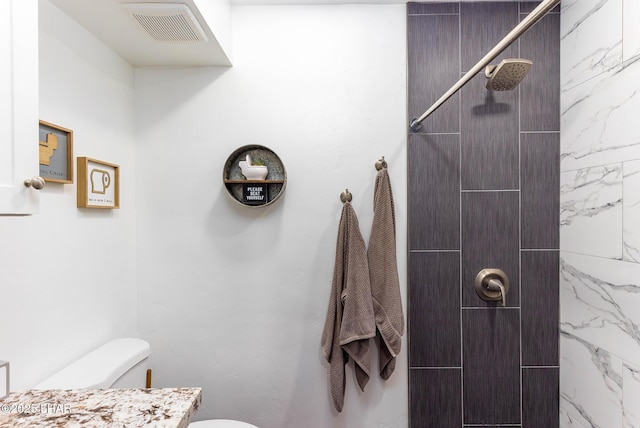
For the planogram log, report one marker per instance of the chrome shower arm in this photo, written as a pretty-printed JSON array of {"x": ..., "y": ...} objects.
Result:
[{"x": 529, "y": 21}]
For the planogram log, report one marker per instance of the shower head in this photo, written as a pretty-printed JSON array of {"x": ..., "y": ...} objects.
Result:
[{"x": 506, "y": 75}]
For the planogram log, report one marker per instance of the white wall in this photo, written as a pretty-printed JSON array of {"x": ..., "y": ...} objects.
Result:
[
  {"x": 218, "y": 17},
  {"x": 233, "y": 298},
  {"x": 600, "y": 208},
  {"x": 68, "y": 275}
]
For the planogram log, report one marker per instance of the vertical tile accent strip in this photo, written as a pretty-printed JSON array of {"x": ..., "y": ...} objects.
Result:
[
  {"x": 434, "y": 192},
  {"x": 433, "y": 67},
  {"x": 491, "y": 366},
  {"x": 540, "y": 89},
  {"x": 540, "y": 401},
  {"x": 483, "y": 192},
  {"x": 432, "y": 8},
  {"x": 434, "y": 290},
  {"x": 540, "y": 308},
  {"x": 490, "y": 239},
  {"x": 492, "y": 426},
  {"x": 527, "y": 7},
  {"x": 482, "y": 26},
  {"x": 489, "y": 140},
  {"x": 435, "y": 398},
  {"x": 540, "y": 182}
]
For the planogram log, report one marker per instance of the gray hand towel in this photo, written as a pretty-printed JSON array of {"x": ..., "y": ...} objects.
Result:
[
  {"x": 350, "y": 319},
  {"x": 383, "y": 269}
]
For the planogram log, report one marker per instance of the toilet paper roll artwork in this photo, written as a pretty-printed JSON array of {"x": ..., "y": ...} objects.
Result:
[
  {"x": 98, "y": 184},
  {"x": 100, "y": 180}
]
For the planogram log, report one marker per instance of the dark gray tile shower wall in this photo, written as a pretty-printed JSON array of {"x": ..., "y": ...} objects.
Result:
[
  {"x": 489, "y": 136},
  {"x": 491, "y": 366},
  {"x": 434, "y": 212},
  {"x": 441, "y": 347},
  {"x": 442, "y": 31},
  {"x": 483, "y": 187}
]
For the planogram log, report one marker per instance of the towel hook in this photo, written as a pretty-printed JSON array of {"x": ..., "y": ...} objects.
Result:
[
  {"x": 381, "y": 163},
  {"x": 346, "y": 196}
]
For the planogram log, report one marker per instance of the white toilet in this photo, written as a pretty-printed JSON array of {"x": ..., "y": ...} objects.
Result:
[{"x": 121, "y": 363}]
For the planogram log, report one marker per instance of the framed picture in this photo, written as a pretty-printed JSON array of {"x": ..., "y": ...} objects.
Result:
[
  {"x": 98, "y": 184},
  {"x": 55, "y": 153}
]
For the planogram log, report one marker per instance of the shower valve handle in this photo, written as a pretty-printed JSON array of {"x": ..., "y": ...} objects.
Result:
[
  {"x": 492, "y": 285},
  {"x": 496, "y": 285}
]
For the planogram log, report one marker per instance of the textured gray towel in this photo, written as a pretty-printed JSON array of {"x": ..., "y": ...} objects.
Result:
[
  {"x": 383, "y": 269},
  {"x": 350, "y": 319}
]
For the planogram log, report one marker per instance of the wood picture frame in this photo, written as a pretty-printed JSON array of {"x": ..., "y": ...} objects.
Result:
[
  {"x": 98, "y": 184},
  {"x": 55, "y": 153}
]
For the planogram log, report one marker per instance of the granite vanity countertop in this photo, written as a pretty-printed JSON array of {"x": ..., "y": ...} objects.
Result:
[{"x": 98, "y": 408}]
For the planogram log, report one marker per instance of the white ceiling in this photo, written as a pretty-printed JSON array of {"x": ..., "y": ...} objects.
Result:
[
  {"x": 320, "y": 2},
  {"x": 109, "y": 22}
]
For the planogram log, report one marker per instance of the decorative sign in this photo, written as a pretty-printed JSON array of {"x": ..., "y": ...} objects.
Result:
[
  {"x": 98, "y": 184},
  {"x": 254, "y": 176},
  {"x": 254, "y": 193},
  {"x": 55, "y": 153}
]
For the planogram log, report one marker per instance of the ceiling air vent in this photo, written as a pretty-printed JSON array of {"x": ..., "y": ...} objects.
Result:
[{"x": 167, "y": 22}]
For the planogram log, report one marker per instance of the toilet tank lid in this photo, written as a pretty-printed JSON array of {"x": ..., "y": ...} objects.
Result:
[{"x": 101, "y": 367}]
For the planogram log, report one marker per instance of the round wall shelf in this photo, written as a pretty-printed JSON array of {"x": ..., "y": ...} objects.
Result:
[{"x": 254, "y": 193}]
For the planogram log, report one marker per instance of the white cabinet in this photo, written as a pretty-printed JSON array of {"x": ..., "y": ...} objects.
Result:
[{"x": 18, "y": 105}]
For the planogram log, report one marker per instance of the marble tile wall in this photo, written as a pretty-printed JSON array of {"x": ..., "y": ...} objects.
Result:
[
  {"x": 600, "y": 214},
  {"x": 630, "y": 29},
  {"x": 483, "y": 179},
  {"x": 581, "y": 21}
]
